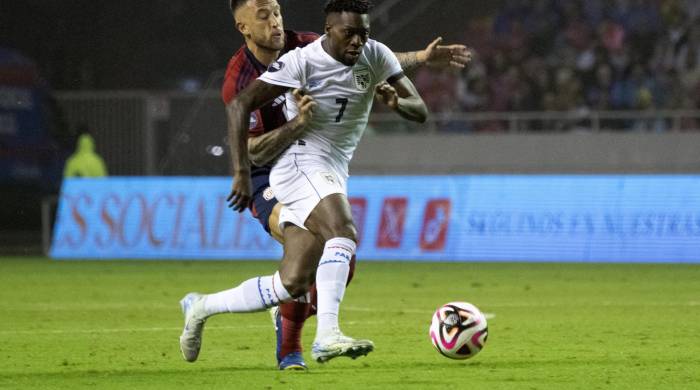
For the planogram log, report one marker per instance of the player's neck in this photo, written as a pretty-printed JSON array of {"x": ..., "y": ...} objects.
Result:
[
  {"x": 264, "y": 55},
  {"x": 326, "y": 47}
]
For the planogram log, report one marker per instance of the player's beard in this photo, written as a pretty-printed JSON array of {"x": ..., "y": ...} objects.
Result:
[
  {"x": 270, "y": 43},
  {"x": 271, "y": 47}
]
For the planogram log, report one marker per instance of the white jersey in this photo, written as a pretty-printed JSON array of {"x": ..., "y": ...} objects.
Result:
[{"x": 344, "y": 94}]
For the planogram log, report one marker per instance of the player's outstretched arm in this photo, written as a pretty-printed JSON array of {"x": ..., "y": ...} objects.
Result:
[
  {"x": 436, "y": 55},
  {"x": 265, "y": 147},
  {"x": 254, "y": 96},
  {"x": 401, "y": 96}
]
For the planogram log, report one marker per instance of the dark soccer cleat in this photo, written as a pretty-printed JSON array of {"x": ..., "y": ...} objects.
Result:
[{"x": 293, "y": 361}]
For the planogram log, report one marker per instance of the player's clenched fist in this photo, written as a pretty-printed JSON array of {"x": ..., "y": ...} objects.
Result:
[
  {"x": 241, "y": 192},
  {"x": 387, "y": 94},
  {"x": 306, "y": 105}
]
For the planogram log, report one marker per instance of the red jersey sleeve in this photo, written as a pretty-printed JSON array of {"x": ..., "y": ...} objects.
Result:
[
  {"x": 242, "y": 70},
  {"x": 239, "y": 74}
]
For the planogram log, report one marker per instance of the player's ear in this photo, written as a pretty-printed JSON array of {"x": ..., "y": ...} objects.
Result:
[
  {"x": 242, "y": 27},
  {"x": 327, "y": 28}
]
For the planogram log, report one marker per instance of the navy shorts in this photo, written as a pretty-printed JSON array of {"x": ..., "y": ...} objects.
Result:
[{"x": 263, "y": 199}]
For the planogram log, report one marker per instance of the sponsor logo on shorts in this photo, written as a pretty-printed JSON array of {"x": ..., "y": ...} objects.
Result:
[
  {"x": 436, "y": 221},
  {"x": 329, "y": 177},
  {"x": 268, "y": 195},
  {"x": 391, "y": 223}
]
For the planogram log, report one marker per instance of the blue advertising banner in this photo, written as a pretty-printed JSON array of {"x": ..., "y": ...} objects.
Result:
[{"x": 572, "y": 218}]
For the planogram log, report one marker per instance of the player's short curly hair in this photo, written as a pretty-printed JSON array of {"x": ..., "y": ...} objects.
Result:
[{"x": 356, "y": 6}]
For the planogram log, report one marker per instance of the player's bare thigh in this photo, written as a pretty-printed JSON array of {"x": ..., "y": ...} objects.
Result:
[
  {"x": 301, "y": 254},
  {"x": 313, "y": 189},
  {"x": 332, "y": 217}
]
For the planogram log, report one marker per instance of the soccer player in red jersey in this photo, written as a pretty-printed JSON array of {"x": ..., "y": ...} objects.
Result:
[{"x": 261, "y": 24}]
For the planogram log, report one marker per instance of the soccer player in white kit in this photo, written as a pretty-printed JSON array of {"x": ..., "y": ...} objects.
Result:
[{"x": 330, "y": 85}]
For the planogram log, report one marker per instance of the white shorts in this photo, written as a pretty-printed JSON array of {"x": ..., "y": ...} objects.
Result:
[{"x": 300, "y": 181}]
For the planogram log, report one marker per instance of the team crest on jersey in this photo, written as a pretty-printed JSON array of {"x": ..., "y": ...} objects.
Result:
[{"x": 362, "y": 78}]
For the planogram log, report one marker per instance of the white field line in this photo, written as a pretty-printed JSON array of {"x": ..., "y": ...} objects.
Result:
[
  {"x": 407, "y": 311},
  {"x": 116, "y": 306},
  {"x": 119, "y": 330},
  {"x": 159, "y": 329},
  {"x": 210, "y": 328},
  {"x": 347, "y": 308}
]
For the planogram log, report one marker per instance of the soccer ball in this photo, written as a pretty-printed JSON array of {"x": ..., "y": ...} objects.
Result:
[{"x": 458, "y": 330}]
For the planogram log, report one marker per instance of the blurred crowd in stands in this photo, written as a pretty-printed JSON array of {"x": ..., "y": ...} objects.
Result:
[{"x": 576, "y": 56}]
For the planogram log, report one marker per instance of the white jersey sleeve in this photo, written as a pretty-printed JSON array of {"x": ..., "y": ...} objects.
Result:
[
  {"x": 286, "y": 71},
  {"x": 383, "y": 61}
]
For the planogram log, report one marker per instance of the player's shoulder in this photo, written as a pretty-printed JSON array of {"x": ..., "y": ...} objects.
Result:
[
  {"x": 297, "y": 39},
  {"x": 377, "y": 53},
  {"x": 376, "y": 48},
  {"x": 240, "y": 71},
  {"x": 238, "y": 60},
  {"x": 239, "y": 65},
  {"x": 301, "y": 53}
]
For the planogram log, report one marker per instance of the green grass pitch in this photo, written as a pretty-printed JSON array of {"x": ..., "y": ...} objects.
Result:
[{"x": 115, "y": 325}]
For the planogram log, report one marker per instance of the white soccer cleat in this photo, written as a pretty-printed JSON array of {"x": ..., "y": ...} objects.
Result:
[
  {"x": 191, "y": 337},
  {"x": 336, "y": 344}
]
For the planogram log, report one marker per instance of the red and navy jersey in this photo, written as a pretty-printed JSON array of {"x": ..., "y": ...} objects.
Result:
[{"x": 243, "y": 68}]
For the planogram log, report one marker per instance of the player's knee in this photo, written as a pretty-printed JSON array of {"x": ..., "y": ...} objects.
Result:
[{"x": 296, "y": 283}]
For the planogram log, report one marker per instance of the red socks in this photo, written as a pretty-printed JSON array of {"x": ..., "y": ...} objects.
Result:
[{"x": 293, "y": 316}]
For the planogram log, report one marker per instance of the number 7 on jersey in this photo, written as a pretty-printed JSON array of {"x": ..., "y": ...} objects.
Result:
[{"x": 343, "y": 104}]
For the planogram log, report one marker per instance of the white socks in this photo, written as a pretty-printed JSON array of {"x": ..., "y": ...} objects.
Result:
[
  {"x": 331, "y": 277},
  {"x": 263, "y": 292},
  {"x": 255, "y": 294}
]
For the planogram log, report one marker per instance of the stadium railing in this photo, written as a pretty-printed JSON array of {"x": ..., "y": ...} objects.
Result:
[{"x": 175, "y": 133}]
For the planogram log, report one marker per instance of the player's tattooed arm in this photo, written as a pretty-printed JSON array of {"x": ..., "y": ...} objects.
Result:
[
  {"x": 401, "y": 95},
  {"x": 254, "y": 96},
  {"x": 408, "y": 60},
  {"x": 436, "y": 55},
  {"x": 266, "y": 147}
]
